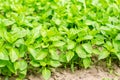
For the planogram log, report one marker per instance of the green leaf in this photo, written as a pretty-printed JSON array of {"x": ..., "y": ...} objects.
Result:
[
  {"x": 81, "y": 52},
  {"x": 43, "y": 63},
  {"x": 8, "y": 37},
  {"x": 34, "y": 63},
  {"x": 41, "y": 54},
  {"x": 117, "y": 37},
  {"x": 32, "y": 52},
  {"x": 7, "y": 22},
  {"x": 19, "y": 42},
  {"x": 118, "y": 55},
  {"x": 4, "y": 55},
  {"x": 13, "y": 54},
  {"x": 87, "y": 47},
  {"x": 55, "y": 38},
  {"x": 71, "y": 44},
  {"x": 1, "y": 43},
  {"x": 22, "y": 50},
  {"x": 116, "y": 45},
  {"x": 58, "y": 43},
  {"x": 18, "y": 31},
  {"x": 23, "y": 73},
  {"x": 96, "y": 51},
  {"x": 22, "y": 65},
  {"x": 3, "y": 63},
  {"x": 108, "y": 45},
  {"x": 54, "y": 63},
  {"x": 104, "y": 54},
  {"x": 86, "y": 62},
  {"x": 62, "y": 57},
  {"x": 88, "y": 37},
  {"x": 69, "y": 55},
  {"x": 11, "y": 67},
  {"x": 46, "y": 73},
  {"x": 54, "y": 55},
  {"x": 57, "y": 21},
  {"x": 36, "y": 32},
  {"x": 99, "y": 39}
]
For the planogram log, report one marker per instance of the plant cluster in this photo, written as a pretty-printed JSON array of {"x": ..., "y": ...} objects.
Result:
[{"x": 53, "y": 33}]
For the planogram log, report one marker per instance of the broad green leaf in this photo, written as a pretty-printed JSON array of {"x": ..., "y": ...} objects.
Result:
[
  {"x": 46, "y": 73},
  {"x": 34, "y": 63},
  {"x": 4, "y": 55},
  {"x": 11, "y": 67},
  {"x": 88, "y": 37},
  {"x": 99, "y": 39},
  {"x": 62, "y": 57},
  {"x": 57, "y": 21},
  {"x": 13, "y": 54},
  {"x": 117, "y": 37},
  {"x": 84, "y": 3},
  {"x": 19, "y": 42},
  {"x": 1, "y": 43},
  {"x": 41, "y": 54},
  {"x": 104, "y": 54},
  {"x": 18, "y": 31},
  {"x": 69, "y": 55},
  {"x": 52, "y": 32},
  {"x": 22, "y": 50},
  {"x": 108, "y": 45},
  {"x": 80, "y": 52},
  {"x": 32, "y": 52},
  {"x": 55, "y": 38},
  {"x": 23, "y": 73},
  {"x": 23, "y": 65},
  {"x": 54, "y": 63},
  {"x": 87, "y": 47},
  {"x": 118, "y": 55},
  {"x": 72, "y": 33},
  {"x": 54, "y": 55},
  {"x": 43, "y": 32},
  {"x": 86, "y": 62},
  {"x": 58, "y": 43},
  {"x": 7, "y": 22},
  {"x": 36, "y": 32},
  {"x": 3, "y": 63},
  {"x": 96, "y": 51},
  {"x": 70, "y": 44},
  {"x": 74, "y": 9},
  {"x": 95, "y": 2},
  {"x": 8, "y": 37},
  {"x": 43, "y": 63},
  {"x": 116, "y": 45},
  {"x": 16, "y": 65}
]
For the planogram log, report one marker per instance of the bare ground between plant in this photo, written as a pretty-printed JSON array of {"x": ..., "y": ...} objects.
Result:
[
  {"x": 93, "y": 73},
  {"x": 96, "y": 72}
]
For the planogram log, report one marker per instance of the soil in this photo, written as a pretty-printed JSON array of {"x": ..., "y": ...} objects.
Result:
[
  {"x": 93, "y": 73},
  {"x": 96, "y": 72}
]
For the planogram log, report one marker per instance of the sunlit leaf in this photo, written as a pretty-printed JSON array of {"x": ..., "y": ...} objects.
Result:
[
  {"x": 46, "y": 73},
  {"x": 13, "y": 54},
  {"x": 104, "y": 54},
  {"x": 81, "y": 52},
  {"x": 69, "y": 55},
  {"x": 87, "y": 47},
  {"x": 87, "y": 62}
]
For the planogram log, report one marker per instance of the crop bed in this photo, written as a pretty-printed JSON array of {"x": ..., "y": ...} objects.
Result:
[{"x": 40, "y": 35}]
